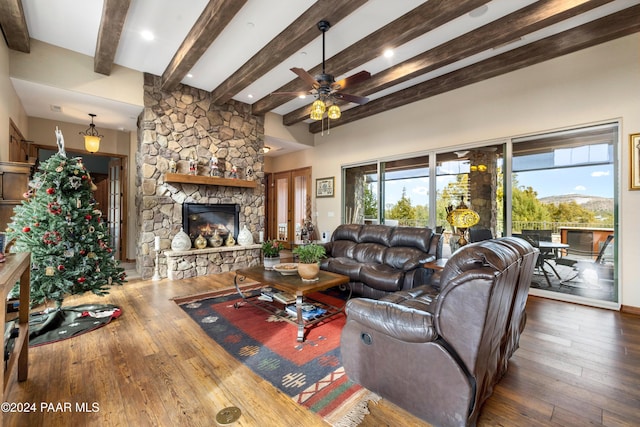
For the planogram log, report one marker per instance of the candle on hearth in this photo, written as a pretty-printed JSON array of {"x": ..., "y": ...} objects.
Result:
[{"x": 157, "y": 243}]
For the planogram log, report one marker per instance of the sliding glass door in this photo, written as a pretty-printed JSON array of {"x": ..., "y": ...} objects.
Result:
[{"x": 563, "y": 191}]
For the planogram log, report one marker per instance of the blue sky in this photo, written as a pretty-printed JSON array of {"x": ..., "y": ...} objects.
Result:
[{"x": 586, "y": 181}]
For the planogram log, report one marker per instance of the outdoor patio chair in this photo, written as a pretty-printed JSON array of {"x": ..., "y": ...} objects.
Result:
[
  {"x": 590, "y": 267},
  {"x": 543, "y": 235},
  {"x": 479, "y": 234},
  {"x": 533, "y": 237}
]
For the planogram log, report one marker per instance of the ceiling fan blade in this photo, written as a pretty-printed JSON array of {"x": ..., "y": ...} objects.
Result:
[
  {"x": 351, "y": 80},
  {"x": 351, "y": 98},
  {"x": 291, "y": 93},
  {"x": 306, "y": 77}
]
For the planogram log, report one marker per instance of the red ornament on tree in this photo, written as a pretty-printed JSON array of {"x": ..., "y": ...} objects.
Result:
[
  {"x": 87, "y": 217},
  {"x": 51, "y": 190},
  {"x": 54, "y": 208},
  {"x": 26, "y": 229},
  {"x": 81, "y": 280},
  {"x": 61, "y": 267}
]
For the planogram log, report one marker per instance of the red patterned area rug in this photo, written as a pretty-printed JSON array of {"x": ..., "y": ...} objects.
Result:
[{"x": 310, "y": 372}]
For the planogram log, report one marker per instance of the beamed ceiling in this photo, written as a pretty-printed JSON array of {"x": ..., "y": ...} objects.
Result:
[{"x": 244, "y": 49}]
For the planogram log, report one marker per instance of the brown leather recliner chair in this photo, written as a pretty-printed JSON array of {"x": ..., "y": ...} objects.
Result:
[{"x": 439, "y": 351}]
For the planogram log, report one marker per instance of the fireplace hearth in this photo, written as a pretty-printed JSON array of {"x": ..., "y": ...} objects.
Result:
[{"x": 205, "y": 218}]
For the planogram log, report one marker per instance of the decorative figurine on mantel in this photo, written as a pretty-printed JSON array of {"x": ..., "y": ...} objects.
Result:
[
  {"x": 193, "y": 165},
  {"x": 173, "y": 167},
  {"x": 234, "y": 173},
  {"x": 214, "y": 170}
]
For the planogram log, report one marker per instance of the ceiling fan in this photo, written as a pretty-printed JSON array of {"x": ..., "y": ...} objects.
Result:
[{"x": 326, "y": 88}]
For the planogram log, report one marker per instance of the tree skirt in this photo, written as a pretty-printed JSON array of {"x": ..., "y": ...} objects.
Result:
[
  {"x": 66, "y": 322},
  {"x": 310, "y": 372}
]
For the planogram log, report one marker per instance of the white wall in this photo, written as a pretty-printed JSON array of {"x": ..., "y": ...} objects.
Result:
[
  {"x": 10, "y": 106},
  {"x": 593, "y": 85},
  {"x": 62, "y": 68}
]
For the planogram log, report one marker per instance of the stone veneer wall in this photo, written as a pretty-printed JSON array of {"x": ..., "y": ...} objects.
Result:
[{"x": 175, "y": 125}]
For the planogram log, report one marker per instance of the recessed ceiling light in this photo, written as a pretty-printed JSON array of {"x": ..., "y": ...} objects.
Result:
[
  {"x": 250, "y": 96},
  {"x": 147, "y": 35},
  {"x": 56, "y": 108},
  {"x": 303, "y": 53},
  {"x": 388, "y": 53},
  {"x": 476, "y": 13},
  {"x": 303, "y": 96},
  {"x": 190, "y": 75}
]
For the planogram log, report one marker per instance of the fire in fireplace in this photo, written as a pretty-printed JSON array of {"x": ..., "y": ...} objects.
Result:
[{"x": 206, "y": 218}]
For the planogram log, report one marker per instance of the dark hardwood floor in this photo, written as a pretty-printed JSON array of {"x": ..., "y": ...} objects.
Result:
[{"x": 153, "y": 366}]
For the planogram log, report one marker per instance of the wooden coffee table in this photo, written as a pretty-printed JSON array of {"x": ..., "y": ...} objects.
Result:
[{"x": 294, "y": 285}]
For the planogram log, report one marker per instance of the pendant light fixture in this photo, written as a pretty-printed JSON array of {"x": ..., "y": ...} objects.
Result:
[{"x": 91, "y": 137}]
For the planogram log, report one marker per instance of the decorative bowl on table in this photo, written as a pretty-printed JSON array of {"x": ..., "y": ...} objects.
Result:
[{"x": 286, "y": 269}]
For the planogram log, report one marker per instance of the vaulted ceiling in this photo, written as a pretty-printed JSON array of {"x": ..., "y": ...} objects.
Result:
[{"x": 244, "y": 49}]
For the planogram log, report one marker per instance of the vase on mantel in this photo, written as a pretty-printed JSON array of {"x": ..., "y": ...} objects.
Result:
[
  {"x": 181, "y": 241},
  {"x": 215, "y": 240},
  {"x": 245, "y": 238},
  {"x": 269, "y": 262}
]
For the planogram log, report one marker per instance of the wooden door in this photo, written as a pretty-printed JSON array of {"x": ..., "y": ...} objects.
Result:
[
  {"x": 291, "y": 204},
  {"x": 114, "y": 215}
]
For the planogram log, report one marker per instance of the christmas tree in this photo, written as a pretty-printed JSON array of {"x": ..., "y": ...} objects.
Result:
[{"x": 59, "y": 223}]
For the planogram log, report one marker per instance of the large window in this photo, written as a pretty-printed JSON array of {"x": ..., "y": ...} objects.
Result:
[
  {"x": 393, "y": 192},
  {"x": 562, "y": 184}
]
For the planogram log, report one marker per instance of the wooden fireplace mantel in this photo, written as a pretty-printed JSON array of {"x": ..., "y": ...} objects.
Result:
[{"x": 183, "y": 178}]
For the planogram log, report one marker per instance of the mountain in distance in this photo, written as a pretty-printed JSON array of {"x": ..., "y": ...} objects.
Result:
[{"x": 592, "y": 203}]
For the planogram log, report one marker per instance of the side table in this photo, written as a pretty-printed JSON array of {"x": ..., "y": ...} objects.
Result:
[{"x": 437, "y": 265}]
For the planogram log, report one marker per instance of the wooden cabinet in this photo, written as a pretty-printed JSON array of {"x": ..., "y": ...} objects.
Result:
[
  {"x": 14, "y": 182},
  {"x": 16, "y": 268}
]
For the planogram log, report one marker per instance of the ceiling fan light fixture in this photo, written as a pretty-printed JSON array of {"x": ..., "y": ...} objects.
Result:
[
  {"x": 334, "y": 112},
  {"x": 91, "y": 137},
  {"x": 317, "y": 109}
]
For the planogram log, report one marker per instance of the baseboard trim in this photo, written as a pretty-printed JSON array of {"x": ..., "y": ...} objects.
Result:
[{"x": 629, "y": 309}]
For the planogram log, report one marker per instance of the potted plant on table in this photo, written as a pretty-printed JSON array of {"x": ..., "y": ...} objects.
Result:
[
  {"x": 271, "y": 253},
  {"x": 309, "y": 257}
]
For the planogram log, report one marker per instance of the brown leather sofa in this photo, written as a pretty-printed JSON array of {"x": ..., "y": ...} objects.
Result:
[
  {"x": 439, "y": 351},
  {"x": 381, "y": 259}
]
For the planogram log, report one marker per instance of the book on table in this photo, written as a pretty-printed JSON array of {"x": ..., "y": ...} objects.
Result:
[
  {"x": 309, "y": 311},
  {"x": 284, "y": 297}
]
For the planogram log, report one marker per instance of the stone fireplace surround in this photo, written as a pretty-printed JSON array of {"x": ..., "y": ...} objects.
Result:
[{"x": 178, "y": 125}]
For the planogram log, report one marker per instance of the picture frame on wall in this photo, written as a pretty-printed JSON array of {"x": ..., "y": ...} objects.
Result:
[
  {"x": 324, "y": 187},
  {"x": 634, "y": 167}
]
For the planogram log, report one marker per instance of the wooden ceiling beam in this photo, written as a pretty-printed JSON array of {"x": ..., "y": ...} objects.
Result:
[
  {"x": 114, "y": 13},
  {"x": 293, "y": 38},
  {"x": 602, "y": 30},
  {"x": 415, "y": 23},
  {"x": 502, "y": 31},
  {"x": 14, "y": 25},
  {"x": 213, "y": 19}
]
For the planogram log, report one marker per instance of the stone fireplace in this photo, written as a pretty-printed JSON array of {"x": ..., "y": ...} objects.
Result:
[{"x": 178, "y": 126}]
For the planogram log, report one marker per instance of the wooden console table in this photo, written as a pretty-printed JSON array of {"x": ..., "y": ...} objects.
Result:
[{"x": 16, "y": 267}]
